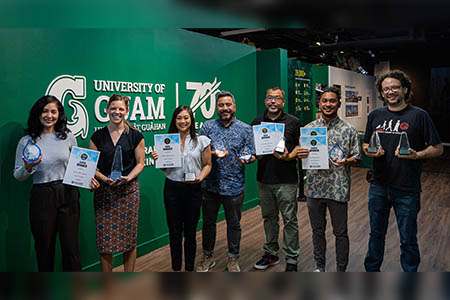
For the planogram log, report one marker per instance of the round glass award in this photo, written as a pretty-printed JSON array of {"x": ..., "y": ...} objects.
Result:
[
  {"x": 31, "y": 152},
  {"x": 245, "y": 153},
  {"x": 219, "y": 148},
  {"x": 336, "y": 153}
]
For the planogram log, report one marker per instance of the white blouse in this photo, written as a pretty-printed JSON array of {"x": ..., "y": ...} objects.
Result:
[{"x": 195, "y": 151}]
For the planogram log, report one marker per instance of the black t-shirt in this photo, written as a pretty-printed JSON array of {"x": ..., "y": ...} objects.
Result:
[
  {"x": 272, "y": 170},
  {"x": 403, "y": 174},
  {"x": 129, "y": 141}
]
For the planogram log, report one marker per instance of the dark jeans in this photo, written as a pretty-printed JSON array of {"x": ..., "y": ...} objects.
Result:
[
  {"x": 317, "y": 210},
  {"x": 233, "y": 209},
  {"x": 406, "y": 207},
  {"x": 55, "y": 208},
  {"x": 182, "y": 202}
]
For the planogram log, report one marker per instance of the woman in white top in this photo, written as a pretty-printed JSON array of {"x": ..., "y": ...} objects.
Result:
[
  {"x": 182, "y": 191},
  {"x": 54, "y": 206}
]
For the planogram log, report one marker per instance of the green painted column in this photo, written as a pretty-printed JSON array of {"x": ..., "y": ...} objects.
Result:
[{"x": 271, "y": 71}]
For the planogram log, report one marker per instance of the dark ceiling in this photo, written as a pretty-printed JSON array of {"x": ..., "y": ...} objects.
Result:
[{"x": 348, "y": 48}]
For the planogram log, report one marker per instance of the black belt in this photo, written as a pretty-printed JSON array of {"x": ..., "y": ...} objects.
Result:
[{"x": 48, "y": 183}]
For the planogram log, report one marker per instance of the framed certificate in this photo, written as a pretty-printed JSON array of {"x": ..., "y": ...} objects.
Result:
[
  {"x": 168, "y": 147},
  {"x": 315, "y": 139},
  {"x": 81, "y": 167}
]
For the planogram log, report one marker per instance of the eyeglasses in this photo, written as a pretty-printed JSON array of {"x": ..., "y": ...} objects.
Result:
[
  {"x": 270, "y": 98},
  {"x": 394, "y": 88}
]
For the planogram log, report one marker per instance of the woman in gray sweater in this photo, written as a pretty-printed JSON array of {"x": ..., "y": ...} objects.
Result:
[{"x": 54, "y": 207}]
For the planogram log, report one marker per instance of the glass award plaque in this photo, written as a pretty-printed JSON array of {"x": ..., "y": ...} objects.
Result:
[
  {"x": 188, "y": 167},
  {"x": 280, "y": 146},
  {"x": 403, "y": 144},
  {"x": 336, "y": 153},
  {"x": 374, "y": 143},
  {"x": 31, "y": 152},
  {"x": 245, "y": 153},
  {"x": 117, "y": 167},
  {"x": 219, "y": 148}
]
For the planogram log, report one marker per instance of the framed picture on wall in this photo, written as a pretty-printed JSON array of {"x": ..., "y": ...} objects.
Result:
[
  {"x": 352, "y": 96},
  {"x": 351, "y": 110}
]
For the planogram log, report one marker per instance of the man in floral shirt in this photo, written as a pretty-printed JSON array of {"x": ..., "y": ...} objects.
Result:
[{"x": 330, "y": 188}]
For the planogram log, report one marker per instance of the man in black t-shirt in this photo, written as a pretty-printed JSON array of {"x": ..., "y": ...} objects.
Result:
[
  {"x": 277, "y": 185},
  {"x": 395, "y": 180}
]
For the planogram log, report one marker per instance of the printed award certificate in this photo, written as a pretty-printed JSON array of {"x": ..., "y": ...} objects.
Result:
[
  {"x": 81, "y": 167},
  {"x": 168, "y": 147},
  {"x": 279, "y": 130},
  {"x": 265, "y": 138},
  {"x": 315, "y": 139}
]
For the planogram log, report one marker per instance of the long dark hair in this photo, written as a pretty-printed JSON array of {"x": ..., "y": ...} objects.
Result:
[
  {"x": 35, "y": 126},
  {"x": 173, "y": 127}
]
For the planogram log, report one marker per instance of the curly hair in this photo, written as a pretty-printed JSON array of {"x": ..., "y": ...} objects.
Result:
[
  {"x": 35, "y": 126},
  {"x": 400, "y": 76}
]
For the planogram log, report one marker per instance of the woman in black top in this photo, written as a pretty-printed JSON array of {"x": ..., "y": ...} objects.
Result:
[{"x": 116, "y": 202}]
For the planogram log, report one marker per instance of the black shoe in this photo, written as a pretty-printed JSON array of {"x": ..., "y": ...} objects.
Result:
[
  {"x": 291, "y": 268},
  {"x": 266, "y": 261},
  {"x": 301, "y": 198}
]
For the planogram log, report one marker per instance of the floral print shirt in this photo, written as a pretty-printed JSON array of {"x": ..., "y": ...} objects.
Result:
[{"x": 334, "y": 183}]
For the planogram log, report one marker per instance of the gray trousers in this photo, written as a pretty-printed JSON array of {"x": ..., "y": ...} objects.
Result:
[{"x": 276, "y": 199}]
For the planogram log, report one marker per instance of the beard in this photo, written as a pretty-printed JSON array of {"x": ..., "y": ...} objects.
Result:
[
  {"x": 398, "y": 100},
  {"x": 274, "y": 108},
  {"x": 227, "y": 118}
]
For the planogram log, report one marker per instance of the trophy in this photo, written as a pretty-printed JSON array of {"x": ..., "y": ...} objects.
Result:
[
  {"x": 403, "y": 144},
  {"x": 374, "y": 143},
  {"x": 117, "y": 167},
  {"x": 336, "y": 153},
  {"x": 245, "y": 154},
  {"x": 31, "y": 152},
  {"x": 219, "y": 148},
  {"x": 188, "y": 167},
  {"x": 280, "y": 146}
]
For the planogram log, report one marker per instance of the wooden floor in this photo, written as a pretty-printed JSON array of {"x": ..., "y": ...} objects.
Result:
[{"x": 433, "y": 236}]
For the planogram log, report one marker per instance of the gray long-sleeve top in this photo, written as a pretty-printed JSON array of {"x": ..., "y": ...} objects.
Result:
[{"x": 55, "y": 157}]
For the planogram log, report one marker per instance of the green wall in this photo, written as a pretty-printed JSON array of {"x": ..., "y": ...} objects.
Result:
[
  {"x": 32, "y": 58},
  {"x": 271, "y": 71}
]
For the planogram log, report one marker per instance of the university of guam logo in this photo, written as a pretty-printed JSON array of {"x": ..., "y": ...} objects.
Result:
[
  {"x": 62, "y": 85},
  {"x": 203, "y": 91}
]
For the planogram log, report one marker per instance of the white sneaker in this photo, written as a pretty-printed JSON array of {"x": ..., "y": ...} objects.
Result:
[{"x": 319, "y": 270}]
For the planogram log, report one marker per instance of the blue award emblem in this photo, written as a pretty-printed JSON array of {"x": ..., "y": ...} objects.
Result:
[
  {"x": 117, "y": 167},
  {"x": 336, "y": 153},
  {"x": 245, "y": 153},
  {"x": 31, "y": 152}
]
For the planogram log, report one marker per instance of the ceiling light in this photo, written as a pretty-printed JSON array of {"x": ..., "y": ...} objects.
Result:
[{"x": 318, "y": 43}]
